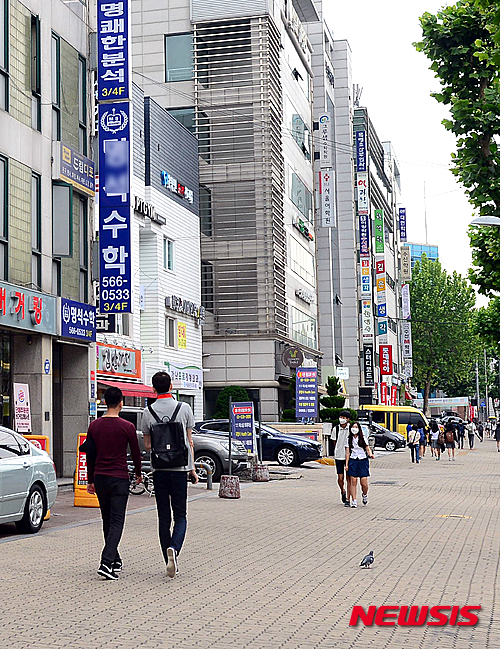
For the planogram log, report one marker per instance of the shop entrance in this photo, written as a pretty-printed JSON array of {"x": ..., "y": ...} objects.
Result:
[{"x": 6, "y": 380}]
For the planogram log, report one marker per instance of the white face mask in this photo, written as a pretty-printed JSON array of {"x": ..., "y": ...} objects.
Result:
[
  {"x": 355, "y": 431},
  {"x": 343, "y": 421}
]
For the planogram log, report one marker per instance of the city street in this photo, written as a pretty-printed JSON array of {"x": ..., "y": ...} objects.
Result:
[{"x": 278, "y": 568}]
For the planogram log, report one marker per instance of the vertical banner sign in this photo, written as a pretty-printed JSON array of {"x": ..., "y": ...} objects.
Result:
[
  {"x": 367, "y": 319},
  {"x": 361, "y": 162},
  {"x": 306, "y": 392},
  {"x": 362, "y": 185},
  {"x": 242, "y": 423},
  {"x": 366, "y": 278},
  {"x": 368, "y": 365},
  {"x": 22, "y": 408},
  {"x": 394, "y": 395},
  {"x": 405, "y": 299},
  {"x": 383, "y": 394},
  {"x": 402, "y": 223},
  {"x": 381, "y": 300},
  {"x": 385, "y": 354},
  {"x": 113, "y": 49},
  {"x": 327, "y": 195},
  {"x": 326, "y": 144},
  {"x": 405, "y": 264},
  {"x": 379, "y": 232},
  {"x": 407, "y": 344},
  {"x": 364, "y": 234},
  {"x": 408, "y": 367}
]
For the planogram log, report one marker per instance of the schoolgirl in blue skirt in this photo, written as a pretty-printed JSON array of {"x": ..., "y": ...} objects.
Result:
[{"x": 357, "y": 453}]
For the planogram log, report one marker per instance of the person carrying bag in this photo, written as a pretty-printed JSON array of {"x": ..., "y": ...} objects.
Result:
[{"x": 168, "y": 449}]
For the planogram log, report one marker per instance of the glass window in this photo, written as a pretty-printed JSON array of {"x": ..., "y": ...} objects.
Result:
[
  {"x": 55, "y": 70},
  {"x": 185, "y": 116},
  {"x": 170, "y": 331},
  {"x": 303, "y": 328},
  {"x": 301, "y": 197},
  {"x": 207, "y": 285},
  {"x": 56, "y": 124},
  {"x": 36, "y": 270},
  {"x": 206, "y": 211},
  {"x": 36, "y": 118},
  {"x": 4, "y": 43},
  {"x": 83, "y": 286},
  {"x": 62, "y": 220},
  {"x": 83, "y": 233},
  {"x": 56, "y": 277},
  {"x": 3, "y": 219},
  {"x": 36, "y": 221},
  {"x": 300, "y": 134},
  {"x": 11, "y": 447},
  {"x": 168, "y": 254},
  {"x": 301, "y": 261},
  {"x": 178, "y": 57},
  {"x": 82, "y": 105}
]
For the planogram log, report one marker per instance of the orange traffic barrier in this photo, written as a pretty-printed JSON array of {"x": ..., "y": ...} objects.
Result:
[{"x": 82, "y": 498}]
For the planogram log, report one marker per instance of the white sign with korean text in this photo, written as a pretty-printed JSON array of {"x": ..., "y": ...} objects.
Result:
[{"x": 22, "y": 408}]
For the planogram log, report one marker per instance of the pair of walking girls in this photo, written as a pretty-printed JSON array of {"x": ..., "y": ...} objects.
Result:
[{"x": 351, "y": 458}]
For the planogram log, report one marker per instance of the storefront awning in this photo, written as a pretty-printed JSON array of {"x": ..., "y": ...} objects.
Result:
[{"x": 132, "y": 389}]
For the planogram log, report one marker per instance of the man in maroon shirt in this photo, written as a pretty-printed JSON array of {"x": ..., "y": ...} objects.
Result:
[{"x": 108, "y": 476}]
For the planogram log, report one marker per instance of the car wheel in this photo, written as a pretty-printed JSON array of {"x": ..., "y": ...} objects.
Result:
[
  {"x": 34, "y": 511},
  {"x": 390, "y": 446},
  {"x": 213, "y": 462},
  {"x": 286, "y": 456}
]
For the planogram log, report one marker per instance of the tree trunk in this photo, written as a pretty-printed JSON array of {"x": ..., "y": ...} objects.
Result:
[{"x": 427, "y": 389}]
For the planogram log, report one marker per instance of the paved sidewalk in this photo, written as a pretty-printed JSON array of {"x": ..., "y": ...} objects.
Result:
[{"x": 277, "y": 569}]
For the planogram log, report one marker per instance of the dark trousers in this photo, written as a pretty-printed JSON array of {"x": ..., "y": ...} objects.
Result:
[
  {"x": 461, "y": 438},
  {"x": 471, "y": 440},
  {"x": 171, "y": 497},
  {"x": 113, "y": 496}
]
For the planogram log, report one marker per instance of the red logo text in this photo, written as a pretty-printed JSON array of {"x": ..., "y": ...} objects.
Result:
[{"x": 415, "y": 615}]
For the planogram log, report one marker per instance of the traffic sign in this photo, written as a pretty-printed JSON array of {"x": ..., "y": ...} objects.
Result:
[{"x": 483, "y": 404}]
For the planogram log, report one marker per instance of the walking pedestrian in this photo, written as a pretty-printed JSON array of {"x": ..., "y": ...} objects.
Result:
[
  {"x": 357, "y": 452},
  {"x": 170, "y": 478},
  {"x": 471, "y": 429},
  {"x": 339, "y": 436},
  {"x": 108, "y": 475},
  {"x": 497, "y": 435},
  {"x": 461, "y": 434},
  {"x": 414, "y": 443},
  {"x": 450, "y": 436},
  {"x": 423, "y": 438},
  {"x": 435, "y": 446},
  {"x": 480, "y": 431}
]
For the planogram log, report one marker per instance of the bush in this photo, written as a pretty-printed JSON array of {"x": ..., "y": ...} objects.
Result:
[
  {"x": 334, "y": 403},
  {"x": 233, "y": 392}
]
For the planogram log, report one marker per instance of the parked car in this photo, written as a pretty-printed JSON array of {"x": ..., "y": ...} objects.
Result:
[
  {"x": 384, "y": 438},
  {"x": 451, "y": 419},
  {"x": 28, "y": 484},
  {"x": 212, "y": 450},
  {"x": 287, "y": 450}
]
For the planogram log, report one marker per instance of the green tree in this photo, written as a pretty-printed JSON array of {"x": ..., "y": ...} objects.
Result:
[
  {"x": 222, "y": 404},
  {"x": 444, "y": 345},
  {"x": 333, "y": 403}
]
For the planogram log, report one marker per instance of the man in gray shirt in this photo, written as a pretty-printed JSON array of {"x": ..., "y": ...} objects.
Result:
[{"x": 170, "y": 484}]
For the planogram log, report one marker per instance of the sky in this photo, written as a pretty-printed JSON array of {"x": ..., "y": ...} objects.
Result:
[{"x": 396, "y": 85}]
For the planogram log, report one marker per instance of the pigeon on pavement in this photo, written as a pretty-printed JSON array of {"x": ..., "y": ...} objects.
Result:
[{"x": 368, "y": 560}]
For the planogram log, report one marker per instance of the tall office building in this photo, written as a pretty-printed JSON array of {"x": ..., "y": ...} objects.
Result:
[
  {"x": 239, "y": 75},
  {"x": 419, "y": 249}
]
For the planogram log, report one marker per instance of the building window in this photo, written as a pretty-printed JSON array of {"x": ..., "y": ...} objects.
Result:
[
  {"x": 3, "y": 219},
  {"x": 207, "y": 285},
  {"x": 206, "y": 211},
  {"x": 303, "y": 328},
  {"x": 301, "y": 197},
  {"x": 4, "y": 54},
  {"x": 62, "y": 220},
  {"x": 36, "y": 231},
  {"x": 36, "y": 88},
  {"x": 56, "y": 276},
  {"x": 56, "y": 87},
  {"x": 84, "y": 255},
  {"x": 203, "y": 134},
  {"x": 82, "y": 105},
  {"x": 301, "y": 261},
  {"x": 185, "y": 116},
  {"x": 168, "y": 254},
  {"x": 301, "y": 135},
  {"x": 178, "y": 57},
  {"x": 170, "y": 331}
]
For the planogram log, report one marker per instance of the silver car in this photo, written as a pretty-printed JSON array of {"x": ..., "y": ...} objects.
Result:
[{"x": 28, "y": 484}]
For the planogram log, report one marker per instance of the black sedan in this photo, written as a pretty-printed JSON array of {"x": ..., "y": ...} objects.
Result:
[
  {"x": 384, "y": 438},
  {"x": 287, "y": 450}
]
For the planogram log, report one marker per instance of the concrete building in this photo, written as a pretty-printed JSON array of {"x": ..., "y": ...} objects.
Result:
[
  {"x": 239, "y": 75},
  {"x": 46, "y": 197}
]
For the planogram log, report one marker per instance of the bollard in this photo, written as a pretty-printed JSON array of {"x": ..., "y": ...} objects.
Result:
[
  {"x": 260, "y": 473},
  {"x": 229, "y": 487}
]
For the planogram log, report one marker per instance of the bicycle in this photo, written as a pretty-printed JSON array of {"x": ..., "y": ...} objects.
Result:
[{"x": 138, "y": 488}]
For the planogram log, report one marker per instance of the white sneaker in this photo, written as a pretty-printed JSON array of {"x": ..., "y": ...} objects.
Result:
[
  {"x": 172, "y": 568},
  {"x": 354, "y": 503}
]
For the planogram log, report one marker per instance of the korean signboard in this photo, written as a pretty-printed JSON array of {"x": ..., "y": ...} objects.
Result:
[
  {"x": 118, "y": 361},
  {"x": 384, "y": 394},
  {"x": 22, "y": 408},
  {"x": 188, "y": 377},
  {"x": 73, "y": 168},
  {"x": 325, "y": 136},
  {"x": 242, "y": 425},
  {"x": 181, "y": 335},
  {"x": 368, "y": 365},
  {"x": 394, "y": 395},
  {"x": 306, "y": 392},
  {"x": 186, "y": 307},
  {"x": 364, "y": 234},
  {"x": 24, "y": 309},
  {"x": 381, "y": 299},
  {"x": 361, "y": 162},
  {"x": 78, "y": 320},
  {"x": 362, "y": 185},
  {"x": 367, "y": 318},
  {"x": 405, "y": 264},
  {"x": 174, "y": 186},
  {"x": 405, "y": 298},
  {"x": 327, "y": 195},
  {"x": 385, "y": 353},
  {"x": 106, "y": 323},
  {"x": 113, "y": 45},
  {"x": 382, "y": 328},
  {"x": 379, "y": 232},
  {"x": 402, "y": 223},
  {"x": 82, "y": 498},
  {"x": 366, "y": 277},
  {"x": 408, "y": 367},
  {"x": 114, "y": 208},
  {"x": 407, "y": 344}
]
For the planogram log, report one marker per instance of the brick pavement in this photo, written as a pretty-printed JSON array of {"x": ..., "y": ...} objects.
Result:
[{"x": 276, "y": 569}]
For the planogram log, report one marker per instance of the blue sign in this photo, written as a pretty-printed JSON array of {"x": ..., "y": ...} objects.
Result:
[
  {"x": 114, "y": 208},
  {"x": 78, "y": 320},
  {"x": 46, "y": 366},
  {"x": 382, "y": 310},
  {"x": 242, "y": 425},
  {"x": 113, "y": 80},
  {"x": 382, "y": 327},
  {"x": 364, "y": 234},
  {"x": 361, "y": 164},
  {"x": 92, "y": 409},
  {"x": 306, "y": 392},
  {"x": 483, "y": 404},
  {"x": 402, "y": 223},
  {"x": 77, "y": 170}
]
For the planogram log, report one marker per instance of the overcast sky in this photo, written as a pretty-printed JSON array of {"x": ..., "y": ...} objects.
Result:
[{"x": 396, "y": 84}]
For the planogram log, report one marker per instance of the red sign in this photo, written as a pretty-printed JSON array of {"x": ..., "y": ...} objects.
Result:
[
  {"x": 81, "y": 469},
  {"x": 383, "y": 394},
  {"x": 415, "y": 615},
  {"x": 92, "y": 375},
  {"x": 40, "y": 441},
  {"x": 394, "y": 395},
  {"x": 380, "y": 266},
  {"x": 385, "y": 353}
]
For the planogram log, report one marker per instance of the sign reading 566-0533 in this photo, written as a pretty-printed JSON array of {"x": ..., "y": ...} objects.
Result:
[{"x": 113, "y": 49}]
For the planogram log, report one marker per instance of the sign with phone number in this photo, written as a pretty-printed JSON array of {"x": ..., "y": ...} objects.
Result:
[{"x": 78, "y": 320}]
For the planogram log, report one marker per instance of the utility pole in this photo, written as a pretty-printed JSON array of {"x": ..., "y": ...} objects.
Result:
[
  {"x": 486, "y": 384},
  {"x": 477, "y": 385}
]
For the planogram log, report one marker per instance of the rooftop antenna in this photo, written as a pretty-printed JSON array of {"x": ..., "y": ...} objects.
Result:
[{"x": 357, "y": 95}]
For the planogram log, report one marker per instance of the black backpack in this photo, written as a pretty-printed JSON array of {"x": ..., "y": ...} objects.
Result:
[{"x": 168, "y": 448}]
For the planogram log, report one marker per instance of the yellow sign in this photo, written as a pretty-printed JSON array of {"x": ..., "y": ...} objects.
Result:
[
  {"x": 181, "y": 335},
  {"x": 82, "y": 498}
]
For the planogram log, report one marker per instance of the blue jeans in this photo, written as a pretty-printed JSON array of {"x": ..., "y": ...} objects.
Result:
[
  {"x": 171, "y": 497},
  {"x": 415, "y": 452}
]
